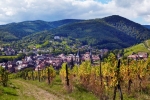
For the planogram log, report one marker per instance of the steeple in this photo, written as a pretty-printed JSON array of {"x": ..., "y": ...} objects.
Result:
[{"x": 78, "y": 57}]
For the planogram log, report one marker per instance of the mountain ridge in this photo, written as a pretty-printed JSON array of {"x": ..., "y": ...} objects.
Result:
[
  {"x": 112, "y": 32},
  {"x": 25, "y": 28},
  {"x": 128, "y": 26}
]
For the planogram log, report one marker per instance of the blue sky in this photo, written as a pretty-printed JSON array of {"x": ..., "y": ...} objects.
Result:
[
  {"x": 51, "y": 10},
  {"x": 103, "y": 1}
]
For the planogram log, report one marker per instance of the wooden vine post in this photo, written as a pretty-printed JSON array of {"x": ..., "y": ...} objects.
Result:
[
  {"x": 100, "y": 65},
  {"x": 48, "y": 72},
  {"x": 129, "y": 81},
  {"x": 67, "y": 74},
  {"x": 101, "y": 81},
  {"x": 118, "y": 83}
]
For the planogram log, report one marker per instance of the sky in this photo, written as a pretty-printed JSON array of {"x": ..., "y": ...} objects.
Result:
[{"x": 52, "y": 10}]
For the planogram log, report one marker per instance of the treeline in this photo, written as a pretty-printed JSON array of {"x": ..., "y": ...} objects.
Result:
[{"x": 11, "y": 58}]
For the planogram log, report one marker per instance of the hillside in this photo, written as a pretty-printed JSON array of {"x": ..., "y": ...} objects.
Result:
[
  {"x": 95, "y": 33},
  {"x": 6, "y": 36},
  {"x": 131, "y": 28},
  {"x": 16, "y": 31},
  {"x": 142, "y": 47},
  {"x": 113, "y": 32}
]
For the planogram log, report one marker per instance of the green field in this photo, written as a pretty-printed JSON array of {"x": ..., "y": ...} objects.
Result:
[{"x": 142, "y": 47}]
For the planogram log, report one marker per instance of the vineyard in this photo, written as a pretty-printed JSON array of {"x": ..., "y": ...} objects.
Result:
[
  {"x": 108, "y": 79},
  {"x": 129, "y": 77}
]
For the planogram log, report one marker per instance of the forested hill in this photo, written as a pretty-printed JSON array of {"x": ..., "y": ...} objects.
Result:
[
  {"x": 95, "y": 33},
  {"x": 113, "y": 32},
  {"x": 15, "y": 31},
  {"x": 129, "y": 27}
]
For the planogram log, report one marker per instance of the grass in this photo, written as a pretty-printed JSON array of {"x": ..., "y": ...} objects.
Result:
[
  {"x": 136, "y": 48},
  {"x": 8, "y": 93},
  {"x": 8, "y": 57},
  {"x": 142, "y": 47},
  {"x": 17, "y": 90}
]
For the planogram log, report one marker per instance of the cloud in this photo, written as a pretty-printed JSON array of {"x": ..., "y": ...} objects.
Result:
[
  {"x": 134, "y": 8},
  {"x": 50, "y": 10},
  {"x": 127, "y": 3},
  {"x": 147, "y": 18}
]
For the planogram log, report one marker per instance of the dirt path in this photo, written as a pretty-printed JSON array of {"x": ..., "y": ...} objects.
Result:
[{"x": 27, "y": 91}]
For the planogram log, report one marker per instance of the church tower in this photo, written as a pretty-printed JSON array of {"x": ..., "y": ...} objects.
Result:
[{"x": 78, "y": 57}]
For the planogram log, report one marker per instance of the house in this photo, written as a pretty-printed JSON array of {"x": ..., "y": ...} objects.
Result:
[
  {"x": 1, "y": 49},
  {"x": 133, "y": 56},
  {"x": 57, "y": 62},
  {"x": 11, "y": 66},
  {"x": 143, "y": 55},
  {"x": 28, "y": 59},
  {"x": 40, "y": 66},
  {"x": 22, "y": 66},
  {"x": 4, "y": 65},
  {"x": 139, "y": 55},
  {"x": 86, "y": 56},
  {"x": 70, "y": 57},
  {"x": 57, "y": 37},
  {"x": 95, "y": 57},
  {"x": 10, "y": 51},
  {"x": 62, "y": 56}
]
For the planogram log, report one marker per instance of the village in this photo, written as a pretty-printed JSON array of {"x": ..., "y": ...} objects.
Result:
[{"x": 41, "y": 61}]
